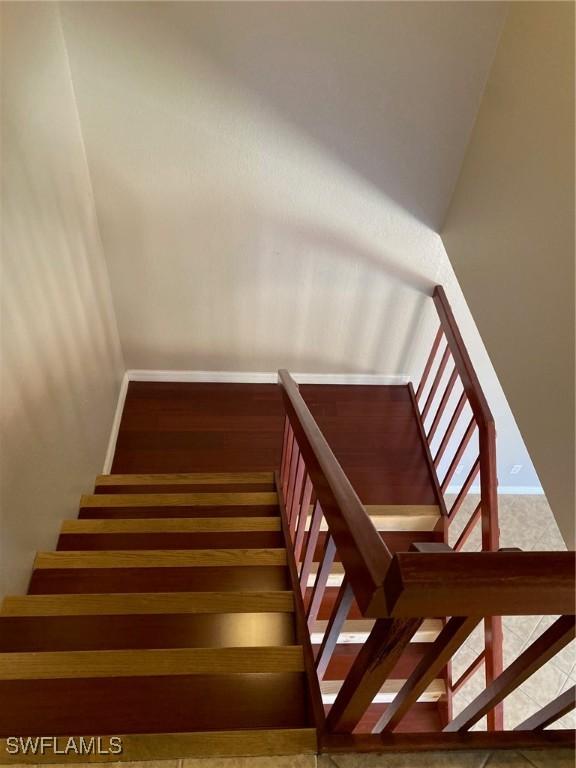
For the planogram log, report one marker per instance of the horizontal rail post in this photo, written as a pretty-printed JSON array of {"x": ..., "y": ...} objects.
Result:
[{"x": 481, "y": 584}]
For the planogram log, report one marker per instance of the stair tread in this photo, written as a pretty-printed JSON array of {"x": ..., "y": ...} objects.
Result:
[
  {"x": 187, "y": 558},
  {"x": 176, "y": 525},
  {"x": 138, "y": 747},
  {"x": 51, "y": 665},
  {"x": 211, "y": 499}
]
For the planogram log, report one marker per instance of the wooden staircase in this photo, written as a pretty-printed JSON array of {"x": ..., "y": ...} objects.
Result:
[
  {"x": 166, "y": 610},
  {"x": 166, "y": 615}
]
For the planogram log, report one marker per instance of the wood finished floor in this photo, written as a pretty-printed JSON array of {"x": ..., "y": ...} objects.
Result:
[{"x": 169, "y": 427}]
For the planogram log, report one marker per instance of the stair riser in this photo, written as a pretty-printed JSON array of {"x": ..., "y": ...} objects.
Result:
[
  {"x": 200, "y": 578},
  {"x": 128, "y": 705},
  {"x": 84, "y": 633},
  {"x": 156, "y": 541}
]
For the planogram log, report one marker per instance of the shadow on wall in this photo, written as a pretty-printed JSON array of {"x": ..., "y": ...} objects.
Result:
[
  {"x": 60, "y": 357},
  {"x": 249, "y": 290},
  {"x": 389, "y": 89}
]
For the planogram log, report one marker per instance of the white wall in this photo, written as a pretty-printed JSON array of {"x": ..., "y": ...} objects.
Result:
[
  {"x": 262, "y": 172},
  {"x": 61, "y": 361},
  {"x": 510, "y": 235}
]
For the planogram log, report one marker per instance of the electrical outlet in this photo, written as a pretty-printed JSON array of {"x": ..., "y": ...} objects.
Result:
[{"x": 515, "y": 469}]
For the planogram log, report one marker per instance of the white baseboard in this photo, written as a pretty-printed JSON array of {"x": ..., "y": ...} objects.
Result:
[
  {"x": 115, "y": 425},
  {"x": 264, "y": 377},
  {"x": 505, "y": 490}
]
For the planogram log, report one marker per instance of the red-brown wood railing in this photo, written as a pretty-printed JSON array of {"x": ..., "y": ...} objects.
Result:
[
  {"x": 450, "y": 402},
  {"x": 325, "y": 521}
]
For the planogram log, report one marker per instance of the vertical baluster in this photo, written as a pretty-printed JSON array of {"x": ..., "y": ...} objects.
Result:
[
  {"x": 338, "y": 616},
  {"x": 284, "y": 449},
  {"x": 295, "y": 508},
  {"x": 464, "y": 490},
  {"x": 304, "y": 514},
  {"x": 371, "y": 668},
  {"x": 428, "y": 366},
  {"x": 468, "y": 528},
  {"x": 311, "y": 543},
  {"x": 436, "y": 383},
  {"x": 458, "y": 455},
  {"x": 289, "y": 448},
  {"x": 436, "y": 658},
  {"x": 450, "y": 430},
  {"x": 294, "y": 459},
  {"x": 442, "y": 405},
  {"x": 324, "y": 568}
]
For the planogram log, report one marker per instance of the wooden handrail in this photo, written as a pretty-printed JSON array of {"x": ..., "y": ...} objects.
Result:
[
  {"x": 481, "y": 584},
  {"x": 365, "y": 557}
]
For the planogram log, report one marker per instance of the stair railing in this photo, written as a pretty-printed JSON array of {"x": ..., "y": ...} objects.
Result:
[
  {"x": 326, "y": 523},
  {"x": 449, "y": 423}
]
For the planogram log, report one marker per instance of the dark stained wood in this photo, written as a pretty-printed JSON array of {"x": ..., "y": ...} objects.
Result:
[
  {"x": 481, "y": 583},
  {"x": 180, "y": 427},
  {"x": 345, "y": 654},
  {"x": 444, "y": 443},
  {"x": 326, "y": 561},
  {"x": 463, "y": 492},
  {"x": 468, "y": 528},
  {"x": 396, "y": 541},
  {"x": 560, "y": 706},
  {"x": 436, "y": 383},
  {"x": 364, "y": 555},
  {"x": 371, "y": 668},
  {"x": 538, "y": 653},
  {"x": 196, "y": 540},
  {"x": 470, "y": 429},
  {"x": 432, "y": 740},
  {"x": 294, "y": 513},
  {"x": 197, "y": 579},
  {"x": 469, "y": 671},
  {"x": 101, "y": 632},
  {"x": 310, "y": 546},
  {"x": 455, "y": 631},
  {"x": 424, "y": 717},
  {"x": 374, "y": 435},
  {"x": 430, "y": 361},
  {"x": 303, "y": 518},
  {"x": 186, "y": 703},
  {"x": 335, "y": 624},
  {"x": 442, "y": 405},
  {"x": 461, "y": 357},
  {"x": 315, "y": 709},
  {"x": 120, "y": 513}
]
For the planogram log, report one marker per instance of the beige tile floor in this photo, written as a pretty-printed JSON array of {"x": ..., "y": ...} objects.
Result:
[{"x": 526, "y": 522}]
